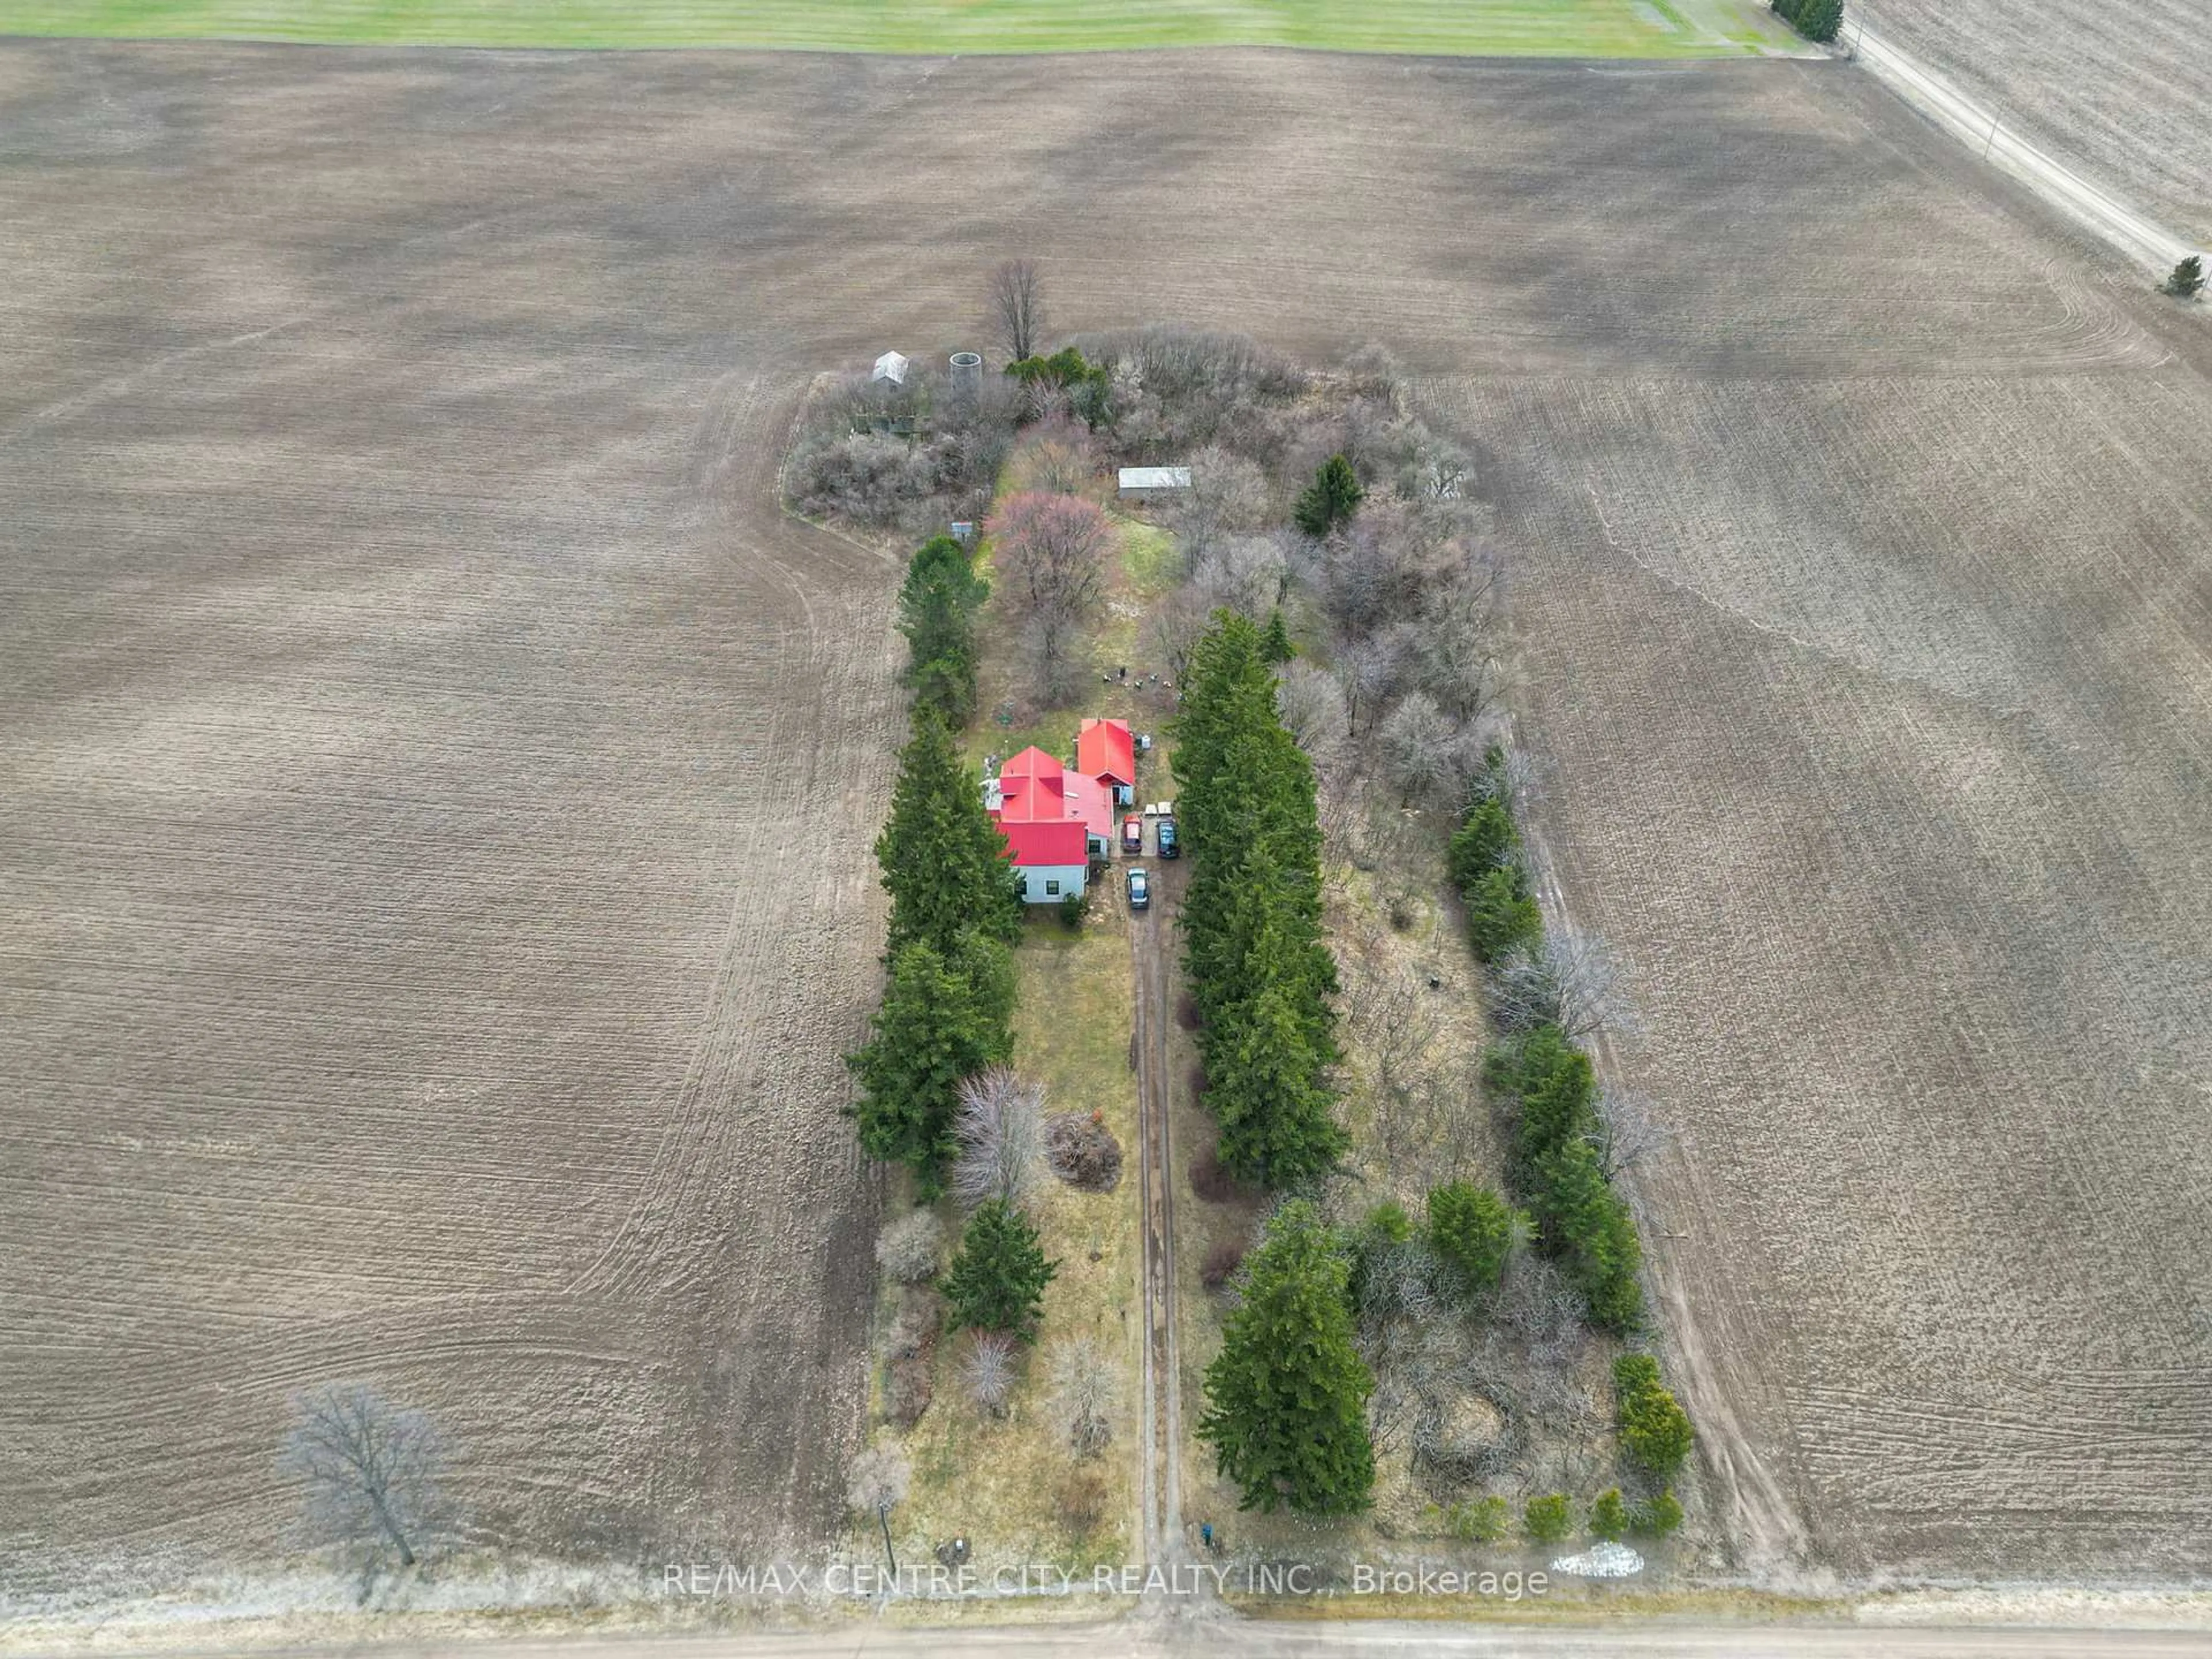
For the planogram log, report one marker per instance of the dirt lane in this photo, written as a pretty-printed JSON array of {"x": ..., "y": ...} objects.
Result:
[{"x": 1151, "y": 948}]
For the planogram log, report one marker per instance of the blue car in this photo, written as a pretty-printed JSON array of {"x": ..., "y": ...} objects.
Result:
[
  {"x": 1170, "y": 847},
  {"x": 1140, "y": 889}
]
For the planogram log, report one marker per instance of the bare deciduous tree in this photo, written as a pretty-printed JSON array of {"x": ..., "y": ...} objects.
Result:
[
  {"x": 1572, "y": 981},
  {"x": 1415, "y": 745},
  {"x": 1311, "y": 704},
  {"x": 876, "y": 1485},
  {"x": 1628, "y": 1131},
  {"x": 1453, "y": 642},
  {"x": 1049, "y": 564},
  {"x": 372, "y": 1471},
  {"x": 1176, "y": 624},
  {"x": 1249, "y": 574},
  {"x": 1000, "y": 1124},
  {"x": 1086, "y": 1395},
  {"x": 988, "y": 1368},
  {"x": 1368, "y": 669},
  {"x": 1017, "y": 308},
  {"x": 1058, "y": 457},
  {"x": 1227, "y": 496}
]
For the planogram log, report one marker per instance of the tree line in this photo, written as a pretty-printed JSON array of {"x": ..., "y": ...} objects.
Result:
[
  {"x": 946, "y": 1023},
  {"x": 1816, "y": 20},
  {"x": 1259, "y": 970}
]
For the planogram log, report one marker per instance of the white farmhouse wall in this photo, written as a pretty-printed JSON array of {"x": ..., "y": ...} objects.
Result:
[{"x": 1037, "y": 879}]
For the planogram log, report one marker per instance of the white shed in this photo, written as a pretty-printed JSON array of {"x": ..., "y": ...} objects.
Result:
[
  {"x": 1146, "y": 482},
  {"x": 891, "y": 366}
]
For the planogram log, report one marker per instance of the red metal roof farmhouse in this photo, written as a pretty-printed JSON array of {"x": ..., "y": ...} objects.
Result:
[{"x": 1037, "y": 793}]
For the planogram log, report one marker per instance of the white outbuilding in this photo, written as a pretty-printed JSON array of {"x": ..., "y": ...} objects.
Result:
[
  {"x": 891, "y": 366},
  {"x": 1143, "y": 483}
]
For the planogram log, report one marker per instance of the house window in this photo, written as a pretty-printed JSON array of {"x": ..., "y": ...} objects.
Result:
[{"x": 1052, "y": 889}]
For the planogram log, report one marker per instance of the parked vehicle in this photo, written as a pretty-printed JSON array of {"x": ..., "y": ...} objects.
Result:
[
  {"x": 1140, "y": 889},
  {"x": 1132, "y": 834},
  {"x": 1170, "y": 844}
]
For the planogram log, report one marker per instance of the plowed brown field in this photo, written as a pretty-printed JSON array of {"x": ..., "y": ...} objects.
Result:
[
  {"x": 435, "y": 785},
  {"x": 2117, "y": 93}
]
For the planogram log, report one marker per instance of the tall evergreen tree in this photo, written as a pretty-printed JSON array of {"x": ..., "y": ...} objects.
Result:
[
  {"x": 996, "y": 1282},
  {"x": 1287, "y": 1397},
  {"x": 1330, "y": 500},
  {"x": 1584, "y": 1222},
  {"x": 936, "y": 613},
  {"x": 944, "y": 860},
  {"x": 942, "y": 1019},
  {"x": 1277, "y": 1124},
  {"x": 1275, "y": 645}
]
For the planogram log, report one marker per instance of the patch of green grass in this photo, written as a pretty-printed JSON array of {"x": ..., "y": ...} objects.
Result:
[
  {"x": 1597, "y": 28},
  {"x": 1151, "y": 563}
]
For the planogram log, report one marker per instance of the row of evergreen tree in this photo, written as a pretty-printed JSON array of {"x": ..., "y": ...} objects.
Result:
[
  {"x": 955, "y": 901},
  {"x": 1287, "y": 1397},
  {"x": 1816, "y": 20},
  {"x": 1543, "y": 1079},
  {"x": 1258, "y": 969}
]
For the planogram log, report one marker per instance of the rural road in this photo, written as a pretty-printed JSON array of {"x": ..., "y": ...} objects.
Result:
[
  {"x": 2150, "y": 244},
  {"x": 1151, "y": 942},
  {"x": 1378, "y": 1640}
]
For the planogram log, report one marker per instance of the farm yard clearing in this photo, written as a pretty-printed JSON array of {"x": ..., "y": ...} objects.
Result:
[
  {"x": 1550, "y": 29},
  {"x": 440, "y": 783}
]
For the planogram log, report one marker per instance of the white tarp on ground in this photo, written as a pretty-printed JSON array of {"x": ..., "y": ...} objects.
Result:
[
  {"x": 1155, "y": 477},
  {"x": 1601, "y": 1561}
]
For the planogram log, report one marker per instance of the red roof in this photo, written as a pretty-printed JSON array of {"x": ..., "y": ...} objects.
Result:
[
  {"x": 1065, "y": 842},
  {"x": 1104, "y": 749},
  {"x": 1033, "y": 788},
  {"x": 1047, "y": 814}
]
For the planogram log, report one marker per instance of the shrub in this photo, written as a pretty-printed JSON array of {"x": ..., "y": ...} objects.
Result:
[
  {"x": 2187, "y": 281},
  {"x": 1656, "y": 1518},
  {"x": 1086, "y": 1395},
  {"x": 1209, "y": 1180},
  {"x": 1584, "y": 1222},
  {"x": 1222, "y": 1262},
  {"x": 987, "y": 1370},
  {"x": 907, "y": 1390},
  {"x": 1081, "y": 1499},
  {"x": 1480, "y": 1521},
  {"x": 1552, "y": 1082},
  {"x": 1654, "y": 1431},
  {"x": 1472, "y": 1232},
  {"x": 1608, "y": 1516},
  {"x": 1547, "y": 1519},
  {"x": 907, "y": 1248},
  {"x": 1487, "y": 840},
  {"x": 1083, "y": 1153},
  {"x": 1073, "y": 909},
  {"x": 1501, "y": 913}
]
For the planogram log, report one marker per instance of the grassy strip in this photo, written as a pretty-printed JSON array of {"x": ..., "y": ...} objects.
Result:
[
  {"x": 1004, "y": 1482},
  {"x": 1592, "y": 29}
]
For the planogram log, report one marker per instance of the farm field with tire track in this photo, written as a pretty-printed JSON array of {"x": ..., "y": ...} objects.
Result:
[
  {"x": 439, "y": 781},
  {"x": 2117, "y": 93}
]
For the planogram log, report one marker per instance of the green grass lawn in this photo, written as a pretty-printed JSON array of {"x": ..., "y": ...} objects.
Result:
[{"x": 1622, "y": 28}]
